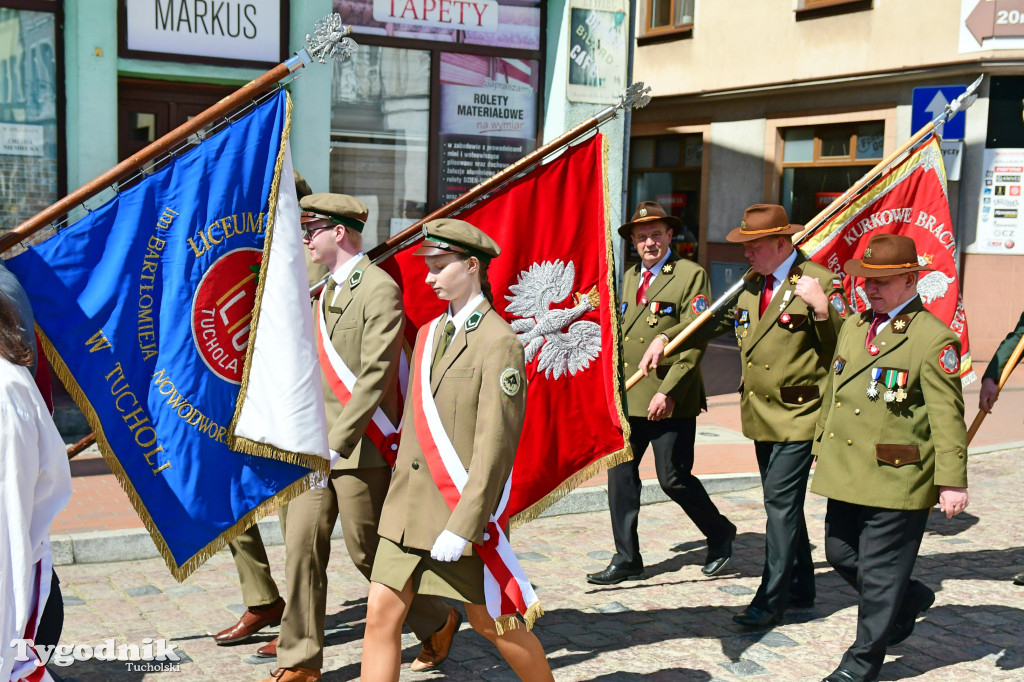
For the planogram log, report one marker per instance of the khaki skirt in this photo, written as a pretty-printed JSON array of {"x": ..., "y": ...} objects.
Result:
[{"x": 462, "y": 580}]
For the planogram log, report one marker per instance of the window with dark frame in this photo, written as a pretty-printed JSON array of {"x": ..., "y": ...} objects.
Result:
[
  {"x": 822, "y": 4},
  {"x": 820, "y": 162},
  {"x": 668, "y": 16}
]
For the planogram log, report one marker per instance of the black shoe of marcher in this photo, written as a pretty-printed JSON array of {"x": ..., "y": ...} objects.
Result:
[
  {"x": 719, "y": 554},
  {"x": 903, "y": 628},
  {"x": 614, "y": 575},
  {"x": 1018, "y": 579},
  {"x": 754, "y": 617},
  {"x": 843, "y": 675}
]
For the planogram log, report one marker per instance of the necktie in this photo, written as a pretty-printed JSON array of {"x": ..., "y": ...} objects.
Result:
[
  {"x": 442, "y": 345},
  {"x": 644, "y": 283},
  {"x": 876, "y": 322},
  {"x": 766, "y": 294},
  {"x": 332, "y": 292}
]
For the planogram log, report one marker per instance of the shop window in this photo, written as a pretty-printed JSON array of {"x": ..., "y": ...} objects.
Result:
[
  {"x": 667, "y": 169},
  {"x": 30, "y": 132},
  {"x": 813, "y": 8},
  {"x": 380, "y": 122},
  {"x": 821, "y": 162},
  {"x": 668, "y": 16}
]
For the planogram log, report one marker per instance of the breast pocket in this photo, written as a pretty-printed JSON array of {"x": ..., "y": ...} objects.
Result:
[{"x": 792, "y": 323}]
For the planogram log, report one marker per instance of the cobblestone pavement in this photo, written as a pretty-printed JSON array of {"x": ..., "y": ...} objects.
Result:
[{"x": 674, "y": 626}]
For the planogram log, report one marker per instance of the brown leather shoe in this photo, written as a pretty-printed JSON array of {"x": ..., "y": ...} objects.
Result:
[
  {"x": 269, "y": 649},
  {"x": 436, "y": 647},
  {"x": 252, "y": 621},
  {"x": 293, "y": 675}
]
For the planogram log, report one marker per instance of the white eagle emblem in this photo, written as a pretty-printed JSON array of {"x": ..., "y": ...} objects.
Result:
[
  {"x": 933, "y": 286},
  {"x": 565, "y": 343}
]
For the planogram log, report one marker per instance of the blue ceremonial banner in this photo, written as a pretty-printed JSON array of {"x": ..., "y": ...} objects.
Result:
[{"x": 149, "y": 309}]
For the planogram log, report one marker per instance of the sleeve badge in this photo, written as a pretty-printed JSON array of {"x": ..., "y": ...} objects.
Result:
[
  {"x": 510, "y": 381},
  {"x": 699, "y": 304},
  {"x": 949, "y": 359},
  {"x": 838, "y": 303}
]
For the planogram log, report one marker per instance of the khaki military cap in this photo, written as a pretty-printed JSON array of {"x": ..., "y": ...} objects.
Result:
[
  {"x": 339, "y": 208},
  {"x": 302, "y": 188},
  {"x": 449, "y": 235}
]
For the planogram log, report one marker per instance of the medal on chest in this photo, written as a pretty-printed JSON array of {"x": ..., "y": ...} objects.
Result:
[
  {"x": 740, "y": 324},
  {"x": 876, "y": 374},
  {"x": 786, "y": 295}
]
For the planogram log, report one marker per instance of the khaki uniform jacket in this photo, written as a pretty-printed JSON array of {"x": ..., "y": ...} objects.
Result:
[
  {"x": 673, "y": 300},
  {"x": 785, "y": 357},
  {"x": 893, "y": 455},
  {"x": 484, "y": 424},
  {"x": 365, "y": 326}
]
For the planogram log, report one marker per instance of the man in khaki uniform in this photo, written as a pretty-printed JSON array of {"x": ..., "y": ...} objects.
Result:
[
  {"x": 891, "y": 442},
  {"x": 659, "y": 296},
  {"x": 786, "y": 329},
  {"x": 361, "y": 315},
  {"x": 263, "y": 603}
]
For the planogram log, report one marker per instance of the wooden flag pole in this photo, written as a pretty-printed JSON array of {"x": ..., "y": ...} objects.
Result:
[
  {"x": 674, "y": 344},
  {"x": 1011, "y": 364}
]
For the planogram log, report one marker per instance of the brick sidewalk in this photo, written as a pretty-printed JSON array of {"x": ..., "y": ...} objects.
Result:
[
  {"x": 674, "y": 626},
  {"x": 99, "y": 503}
]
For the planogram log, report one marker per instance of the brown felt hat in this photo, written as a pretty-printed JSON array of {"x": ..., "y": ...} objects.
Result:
[
  {"x": 302, "y": 188},
  {"x": 448, "y": 235},
  {"x": 763, "y": 220},
  {"x": 338, "y": 208},
  {"x": 648, "y": 212},
  {"x": 886, "y": 254}
]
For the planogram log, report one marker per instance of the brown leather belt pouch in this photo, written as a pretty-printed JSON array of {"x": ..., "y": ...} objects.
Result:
[
  {"x": 798, "y": 395},
  {"x": 897, "y": 455}
]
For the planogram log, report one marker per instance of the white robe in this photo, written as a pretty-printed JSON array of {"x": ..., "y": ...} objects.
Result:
[{"x": 35, "y": 484}]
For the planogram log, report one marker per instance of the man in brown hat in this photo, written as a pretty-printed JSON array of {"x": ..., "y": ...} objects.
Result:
[
  {"x": 359, "y": 321},
  {"x": 891, "y": 442},
  {"x": 659, "y": 296},
  {"x": 786, "y": 328}
]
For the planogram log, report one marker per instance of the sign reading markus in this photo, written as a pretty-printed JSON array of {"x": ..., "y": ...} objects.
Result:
[
  {"x": 222, "y": 29},
  {"x": 466, "y": 15}
]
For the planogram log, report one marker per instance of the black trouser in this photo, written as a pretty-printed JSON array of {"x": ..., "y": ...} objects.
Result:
[
  {"x": 672, "y": 440},
  {"x": 788, "y": 568},
  {"x": 874, "y": 550},
  {"x": 51, "y": 623}
]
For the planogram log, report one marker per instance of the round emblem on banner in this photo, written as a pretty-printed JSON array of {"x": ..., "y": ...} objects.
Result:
[{"x": 222, "y": 312}]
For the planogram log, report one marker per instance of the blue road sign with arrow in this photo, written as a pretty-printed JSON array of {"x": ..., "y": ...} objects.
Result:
[{"x": 930, "y": 102}]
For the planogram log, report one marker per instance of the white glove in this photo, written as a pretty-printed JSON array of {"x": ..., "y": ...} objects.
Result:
[
  {"x": 321, "y": 482},
  {"x": 448, "y": 546}
]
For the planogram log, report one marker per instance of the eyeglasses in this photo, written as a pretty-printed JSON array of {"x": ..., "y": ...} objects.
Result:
[{"x": 309, "y": 232}]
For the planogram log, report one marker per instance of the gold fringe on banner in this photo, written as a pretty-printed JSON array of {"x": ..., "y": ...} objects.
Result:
[
  {"x": 619, "y": 456},
  {"x": 240, "y": 443},
  {"x": 271, "y": 504}
]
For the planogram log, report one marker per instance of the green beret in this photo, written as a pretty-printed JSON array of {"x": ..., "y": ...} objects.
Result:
[
  {"x": 341, "y": 208},
  {"x": 449, "y": 235}
]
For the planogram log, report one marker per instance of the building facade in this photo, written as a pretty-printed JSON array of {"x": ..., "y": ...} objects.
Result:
[
  {"x": 437, "y": 97},
  {"x": 792, "y": 101}
]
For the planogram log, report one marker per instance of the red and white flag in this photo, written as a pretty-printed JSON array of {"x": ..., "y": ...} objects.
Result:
[
  {"x": 554, "y": 284},
  {"x": 910, "y": 200}
]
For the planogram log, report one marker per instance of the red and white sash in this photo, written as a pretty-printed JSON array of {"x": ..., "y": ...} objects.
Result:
[
  {"x": 506, "y": 587},
  {"x": 381, "y": 432},
  {"x": 33, "y": 670}
]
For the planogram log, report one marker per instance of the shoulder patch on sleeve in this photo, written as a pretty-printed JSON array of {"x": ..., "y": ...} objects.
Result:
[
  {"x": 699, "y": 303},
  {"x": 836, "y": 299},
  {"x": 949, "y": 359},
  {"x": 511, "y": 381}
]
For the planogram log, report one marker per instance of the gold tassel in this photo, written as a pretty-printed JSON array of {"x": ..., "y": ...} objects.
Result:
[
  {"x": 506, "y": 623},
  {"x": 532, "y": 614},
  {"x": 619, "y": 456}
]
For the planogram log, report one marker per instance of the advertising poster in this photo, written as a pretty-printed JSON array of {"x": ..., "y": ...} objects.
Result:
[
  {"x": 597, "y": 50},
  {"x": 495, "y": 23},
  {"x": 1000, "y": 228},
  {"x": 488, "y": 118}
]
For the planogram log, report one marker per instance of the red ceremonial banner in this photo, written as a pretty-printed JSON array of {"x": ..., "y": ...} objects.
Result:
[
  {"x": 554, "y": 284},
  {"x": 909, "y": 200}
]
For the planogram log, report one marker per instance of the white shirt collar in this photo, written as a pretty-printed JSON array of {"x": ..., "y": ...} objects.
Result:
[
  {"x": 780, "y": 273},
  {"x": 342, "y": 272},
  {"x": 459, "y": 320},
  {"x": 656, "y": 270}
]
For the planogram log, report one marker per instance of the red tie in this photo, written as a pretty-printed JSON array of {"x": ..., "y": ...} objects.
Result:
[
  {"x": 876, "y": 322},
  {"x": 640, "y": 299},
  {"x": 766, "y": 293}
]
